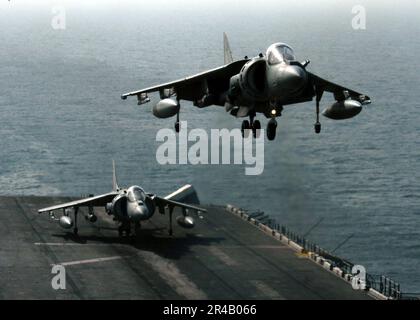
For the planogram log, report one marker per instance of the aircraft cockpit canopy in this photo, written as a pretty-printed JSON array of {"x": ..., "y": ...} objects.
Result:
[
  {"x": 279, "y": 52},
  {"x": 136, "y": 194}
]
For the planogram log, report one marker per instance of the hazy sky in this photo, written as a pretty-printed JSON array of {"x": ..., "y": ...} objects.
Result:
[
  {"x": 211, "y": 4},
  {"x": 219, "y": 7}
]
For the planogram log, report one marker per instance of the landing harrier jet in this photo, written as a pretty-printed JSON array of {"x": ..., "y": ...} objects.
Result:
[
  {"x": 262, "y": 84},
  {"x": 128, "y": 206}
]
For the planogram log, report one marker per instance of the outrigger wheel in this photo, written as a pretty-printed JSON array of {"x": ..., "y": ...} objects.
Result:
[
  {"x": 317, "y": 127},
  {"x": 177, "y": 126},
  {"x": 76, "y": 229}
]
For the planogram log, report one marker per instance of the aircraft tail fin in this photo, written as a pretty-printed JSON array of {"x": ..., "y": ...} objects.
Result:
[
  {"x": 227, "y": 51},
  {"x": 115, "y": 186}
]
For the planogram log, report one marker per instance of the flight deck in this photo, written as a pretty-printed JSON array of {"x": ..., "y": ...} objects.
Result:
[{"x": 223, "y": 257}]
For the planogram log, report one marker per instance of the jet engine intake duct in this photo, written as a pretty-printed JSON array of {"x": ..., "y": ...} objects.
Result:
[
  {"x": 118, "y": 206},
  {"x": 252, "y": 80}
]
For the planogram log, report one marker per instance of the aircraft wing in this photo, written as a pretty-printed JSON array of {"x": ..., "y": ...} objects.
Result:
[
  {"x": 193, "y": 87},
  {"x": 96, "y": 201},
  {"x": 162, "y": 202},
  {"x": 338, "y": 91}
]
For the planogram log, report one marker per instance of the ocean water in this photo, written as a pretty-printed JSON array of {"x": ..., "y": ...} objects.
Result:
[{"x": 62, "y": 119}]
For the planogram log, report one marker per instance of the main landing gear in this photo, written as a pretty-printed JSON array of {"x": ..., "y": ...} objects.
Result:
[
  {"x": 124, "y": 228},
  {"x": 76, "y": 229},
  {"x": 254, "y": 125}
]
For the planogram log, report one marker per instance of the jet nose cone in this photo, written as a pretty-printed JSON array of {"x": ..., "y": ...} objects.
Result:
[
  {"x": 142, "y": 210},
  {"x": 138, "y": 212},
  {"x": 295, "y": 78}
]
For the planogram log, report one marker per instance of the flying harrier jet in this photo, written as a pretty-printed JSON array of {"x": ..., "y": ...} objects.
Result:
[
  {"x": 128, "y": 206},
  {"x": 263, "y": 84}
]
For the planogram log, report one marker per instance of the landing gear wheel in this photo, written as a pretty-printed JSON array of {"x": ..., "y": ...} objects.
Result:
[
  {"x": 317, "y": 127},
  {"x": 245, "y": 126},
  {"x": 124, "y": 228},
  {"x": 121, "y": 230},
  {"x": 256, "y": 129},
  {"x": 177, "y": 127},
  {"x": 137, "y": 229},
  {"x": 271, "y": 129},
  {"x": 76, "y": 231}
]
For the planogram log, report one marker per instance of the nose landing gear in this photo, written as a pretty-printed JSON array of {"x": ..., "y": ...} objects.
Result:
[
  {"x": 177, "y": 124},
  {"x": 272, "y": 124},
  {"x": 271, "y": 129}
]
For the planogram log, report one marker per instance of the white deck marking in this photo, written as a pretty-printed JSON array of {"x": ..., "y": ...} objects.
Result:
[
  {"x": 116, "y": 244},
  {"x": 69, "y": 244},
  {"x": 72, "y": 263},
  {"x": 169, "y": 272},
  {"x": 226, "y": 259},
  {"x": 261, "y": 246},
  {"x": 265, "y": 289}
]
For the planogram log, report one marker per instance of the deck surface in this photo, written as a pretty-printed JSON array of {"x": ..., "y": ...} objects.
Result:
[{"x": 223, "y": 257}]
